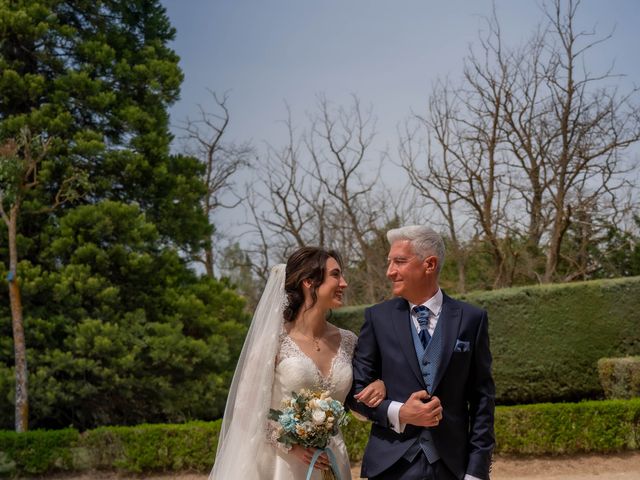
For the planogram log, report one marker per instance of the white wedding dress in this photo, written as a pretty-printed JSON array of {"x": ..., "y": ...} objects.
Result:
[
  {"x": 270, "y": 367},
  {"x": 295, "y": 371}
]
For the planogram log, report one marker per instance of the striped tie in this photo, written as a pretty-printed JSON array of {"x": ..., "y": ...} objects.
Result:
[{"x": 422, "y": 313}]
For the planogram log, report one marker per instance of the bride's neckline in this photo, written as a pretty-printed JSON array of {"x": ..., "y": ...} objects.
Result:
[{"x": 333, "y": 359}]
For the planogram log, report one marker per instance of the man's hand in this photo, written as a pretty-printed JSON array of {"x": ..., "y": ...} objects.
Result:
[{"x": 421, "y": 409}]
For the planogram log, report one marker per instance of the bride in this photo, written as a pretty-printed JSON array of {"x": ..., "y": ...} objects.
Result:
[{"x": 289, "y": 346}]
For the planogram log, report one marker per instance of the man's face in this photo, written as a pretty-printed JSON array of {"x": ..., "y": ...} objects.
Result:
[{"x": 411, "y": 275}]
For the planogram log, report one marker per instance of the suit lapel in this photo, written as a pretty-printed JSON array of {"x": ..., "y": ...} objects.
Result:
[
  {"x": 402, "y": 325},
  {"x": 449, "y": 324}
]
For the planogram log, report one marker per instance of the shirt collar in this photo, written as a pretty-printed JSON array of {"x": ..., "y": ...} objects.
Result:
[{"x": 434, "y": 304}]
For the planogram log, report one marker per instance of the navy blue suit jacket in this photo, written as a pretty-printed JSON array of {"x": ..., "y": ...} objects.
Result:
[{"x": 463, "y": 382}]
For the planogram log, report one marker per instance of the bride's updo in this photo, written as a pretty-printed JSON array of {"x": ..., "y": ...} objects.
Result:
[{"x": 305, "y": 263}]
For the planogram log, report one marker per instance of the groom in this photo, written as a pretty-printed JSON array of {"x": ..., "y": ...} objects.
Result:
[{"x": 432, "y": 352}]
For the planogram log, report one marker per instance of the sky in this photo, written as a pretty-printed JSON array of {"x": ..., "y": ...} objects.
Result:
[{"x": 269, "y": 54}]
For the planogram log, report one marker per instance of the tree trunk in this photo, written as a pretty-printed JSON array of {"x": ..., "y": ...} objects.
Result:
[
  {"x": 562, "y": 222},
  {"x": 208, "y": 260},
  {"x": 22, "y": 396},
  {"x": 462, "y": 275}
]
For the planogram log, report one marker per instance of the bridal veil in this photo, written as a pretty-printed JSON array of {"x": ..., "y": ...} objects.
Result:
[{"x": 242, "y": 448}]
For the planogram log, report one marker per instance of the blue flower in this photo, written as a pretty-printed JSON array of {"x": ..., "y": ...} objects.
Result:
[
  {"x": 336, "y": 407},
  {"x": 288, "y": 421}
]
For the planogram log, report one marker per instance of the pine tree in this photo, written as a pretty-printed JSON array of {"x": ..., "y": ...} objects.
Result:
[{"x": 93, "y": 80}]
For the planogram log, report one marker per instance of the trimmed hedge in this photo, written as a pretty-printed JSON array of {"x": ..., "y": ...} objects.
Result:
[
  {"x": 546, "y": 340},
  {"x": 544, "y": 429},
  {"x": 38, "y": 451},
  {"x": 189, "y": 446},
  {"x": 620, "y": 377},
  {"x": 163, "y": 447},
  {"x": 568, "y": 428}
]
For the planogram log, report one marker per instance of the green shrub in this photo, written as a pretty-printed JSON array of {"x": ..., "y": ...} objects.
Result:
[
  {"x": 350, "y": 318},
  {"x": 38, "y": 451},
  {"x": 546, "y": 340},
  {"x": 569, "y": 428},
  {"x": 620, "y": 377},
  {"x": 189, "y": 446},
  {"x": 594, "y": 426},
  {"x": 356, "y": 435}
]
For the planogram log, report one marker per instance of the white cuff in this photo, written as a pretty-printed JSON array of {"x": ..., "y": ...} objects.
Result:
[
  {"x": 470, "y": 477},
  {"x": 393, "y": 414}
]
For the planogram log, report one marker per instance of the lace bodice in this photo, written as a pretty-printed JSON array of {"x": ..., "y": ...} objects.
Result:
[{"x": 295, "y": 370}]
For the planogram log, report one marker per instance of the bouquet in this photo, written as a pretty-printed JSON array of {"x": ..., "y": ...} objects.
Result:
[{"x": 309, "y": 418}]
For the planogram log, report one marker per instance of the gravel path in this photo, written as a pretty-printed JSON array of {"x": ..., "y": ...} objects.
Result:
[{"x": 623, "y": 466}]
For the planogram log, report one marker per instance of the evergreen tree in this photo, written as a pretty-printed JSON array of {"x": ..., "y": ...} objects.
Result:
[
  {"x": 117, "y": 328},
  {"x": 97, "y": 77},
  {"x": 119, "y": 331}
]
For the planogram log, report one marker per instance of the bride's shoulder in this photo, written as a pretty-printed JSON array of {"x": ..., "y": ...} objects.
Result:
[
  {"x": 348, "y": 334},
  {"x": 348, "y": 338},
  {"x": 286, "y": 347}
]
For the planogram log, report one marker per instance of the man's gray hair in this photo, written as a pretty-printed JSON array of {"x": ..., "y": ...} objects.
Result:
[{"x": 424, "y": 240}]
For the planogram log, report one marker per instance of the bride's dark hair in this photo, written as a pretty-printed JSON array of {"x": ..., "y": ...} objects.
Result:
[{"x": 305, "y": 263}]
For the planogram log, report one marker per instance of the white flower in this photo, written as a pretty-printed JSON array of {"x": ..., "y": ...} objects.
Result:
[{"x": 318, "y": 416}]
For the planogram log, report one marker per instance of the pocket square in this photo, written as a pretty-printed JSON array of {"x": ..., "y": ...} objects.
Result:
[{"x": 461, "y": 346}]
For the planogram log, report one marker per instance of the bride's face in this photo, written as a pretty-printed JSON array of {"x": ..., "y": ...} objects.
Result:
[{"x": 331, "y": 289}]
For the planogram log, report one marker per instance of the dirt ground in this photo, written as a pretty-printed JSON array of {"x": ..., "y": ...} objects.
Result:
[{"x": 624, "y": 466}]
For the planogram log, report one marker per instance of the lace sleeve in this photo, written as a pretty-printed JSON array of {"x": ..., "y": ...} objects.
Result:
[
  {"x": 350, "y": 340},
  {"x": 272, "y": 428},
  {"x": 273, "y": 432}
]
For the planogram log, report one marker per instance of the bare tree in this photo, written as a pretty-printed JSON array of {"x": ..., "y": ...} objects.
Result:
[
  {"x": 566, "y": 129},
  {"x": 322, "y": 188},
  {"x": 339, "y": 146},
  {"x": 592, "y": 125},
  {"x": 260, "y": 249},
  {"x": 488, "y": 178},
  {"x": 299, "y": 212},
  {"x": 528, "y": 136},
  {"x": 437, "y": 182},
  {"x": 222, "y": 160},
  {"x": 528, "y": 130},
  {"x": 467, "y": 178},
  {"x": 285, "y": 204}
]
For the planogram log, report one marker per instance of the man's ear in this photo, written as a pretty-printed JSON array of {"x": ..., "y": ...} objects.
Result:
[{"x": 431, "y": 264}]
